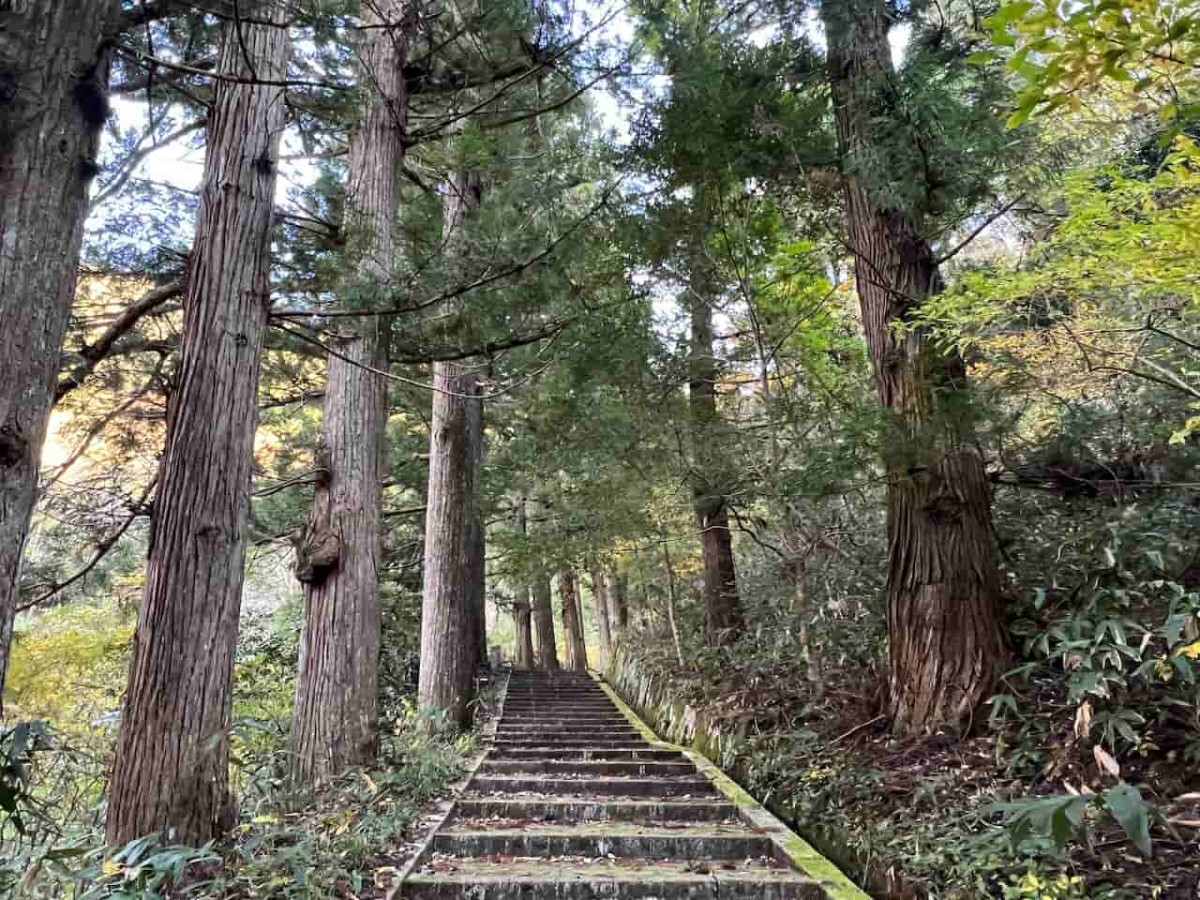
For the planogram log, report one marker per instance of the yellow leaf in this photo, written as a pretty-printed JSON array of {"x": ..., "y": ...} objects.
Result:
[{"x": 1191, "y": 651}]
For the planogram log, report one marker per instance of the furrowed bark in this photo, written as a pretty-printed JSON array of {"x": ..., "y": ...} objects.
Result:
[
  {"x": 53, "y": 82},
  {"x": 543, "y": 625},
  {"x": 334, "y": 726},
  {"x": 572, "y": 625},
  {"x": 620, "y": 602},
  {"x": 522, "y": 613},
  {"x": 476, "y": 534},
  {"x": 171, "y": 772},
  {"x": 722, "y": 605},
  {"x": 522, "y": 609},
  {"x": 452, "y": 593},
  {"x": 448, "y": 643},
  {"x": 579, "y": 616},
  {"x": 942, "y": 589},
  {"x": 600, "y": 601}
]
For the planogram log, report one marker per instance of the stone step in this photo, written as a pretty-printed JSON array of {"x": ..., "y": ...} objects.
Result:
[
  {"x": 557, "y": 725},
  {"x": 453, "y": 878},
  {"x": 542, "y": 740},
  {"x": 569, "y": 728},
  {"x": 607, "y": 840},
  {"x": 644, "y": 768},
  {"x": 616, "y": 719},
  {"x": 537, "y": 736},
  {"x": 579, "y": 706},
  {"x": 525, "y": 809},
  {"x": 609, "y": 786},
  {"x": 563, "y": 712},
  {"x": 560, "y": 700},
  {"x": 622, "y": 753}
]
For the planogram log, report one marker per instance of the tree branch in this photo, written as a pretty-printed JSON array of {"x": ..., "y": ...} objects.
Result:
[{"x": 93, "y": 354}]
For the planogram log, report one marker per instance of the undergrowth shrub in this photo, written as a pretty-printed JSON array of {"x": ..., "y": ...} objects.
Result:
[{"x": 346, "y": 838}]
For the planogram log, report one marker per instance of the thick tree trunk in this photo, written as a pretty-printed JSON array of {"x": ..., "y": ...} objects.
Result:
[
  {"x": 476, "y": 535},
  {"x": 52, "y": 104},
  {"x": 171, "y": 772},
  {"x": 600, "y": 602},
  {"x": 335, "y": 719},
  {"x": 449, "y": 638},
  {"x": 620, "y": 602},
  {"x": 572, "y": 626},
  {"x": 942, "y": 583},
  {"x": 579, "y": 617},
  {"x": 522, "y": 608},
  {"x": 722, "y": 606},
  {"x": 452, "y": 593},
  {"x": 543, "y": 624},
  {"x": 522, "y": 621}
]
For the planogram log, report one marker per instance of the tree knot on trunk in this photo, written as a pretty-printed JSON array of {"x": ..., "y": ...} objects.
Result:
[
  {"x": 13, "y": 445},
  {"x": 322, "y": 464},
  {"x": 318, "y": 549},
  {"x": 318, "y": 544}
]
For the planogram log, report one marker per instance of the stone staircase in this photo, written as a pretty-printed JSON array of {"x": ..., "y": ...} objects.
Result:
[{"x": 572, "y": 801}]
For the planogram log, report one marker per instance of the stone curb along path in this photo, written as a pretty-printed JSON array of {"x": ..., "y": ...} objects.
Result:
[{"x": 578, "y": 799}]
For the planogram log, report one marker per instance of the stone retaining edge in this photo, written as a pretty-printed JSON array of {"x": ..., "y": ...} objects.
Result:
[
  {"x": 486, "y": 736},
  {"x": 789, "y": 845}
]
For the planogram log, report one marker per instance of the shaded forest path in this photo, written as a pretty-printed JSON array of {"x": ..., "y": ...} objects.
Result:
[{"x": 575, "y": 800}]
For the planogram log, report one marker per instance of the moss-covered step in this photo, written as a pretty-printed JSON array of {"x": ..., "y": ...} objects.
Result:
[
  {"x": 535, "y": 810},
  {"x": 590, "y": 879}
]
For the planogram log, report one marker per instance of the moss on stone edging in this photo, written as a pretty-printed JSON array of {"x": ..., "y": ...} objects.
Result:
[{"x": 691, "y": 732}]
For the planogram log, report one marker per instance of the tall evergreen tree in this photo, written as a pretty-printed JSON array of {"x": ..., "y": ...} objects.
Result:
[
  {"x": 722, "y": 605},
  {"x": 572, "y": 623},
  {"x": 53, "y": 86},
  {"x": 942, "y": 584},
  {"x": 171, "y": 771},
  {"x": 543, "y": 624},
  {"x": 450, "y": 602},
  {"x": 335, "y": 720},
  {"x": 600, "y": 603}
]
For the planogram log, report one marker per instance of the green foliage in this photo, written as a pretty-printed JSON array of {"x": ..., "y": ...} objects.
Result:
[
  {"x": 1066, "y": 54},
  {"x": 68, "y": 666},
  {"x": 288, "y": 846},
  {"x": 1062, "y": 818},
  {"x": 16, "y": 748}
]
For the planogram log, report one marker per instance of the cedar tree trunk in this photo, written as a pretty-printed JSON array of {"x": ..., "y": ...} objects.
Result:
[
  {"x": 334, "y": 726},
  {"x": 572, "y": 626},
  {"x": 171, "y": 772},
  {"x": 722, "y": 606},
  {"x": 942, "y": 586},
  {"x": 522, "y": 610},
  {"x": 600, "y": 601},
  {"x": 543, "y": 624},
  {"x": 476, "y": 535},
  {"x": 449, "y": 634},
  {"x": 53, "y": 79},
  {"x": 452, "y": 595},
  {"x": 620, "y": 602},
  {"x": 522, "y": 621}
]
